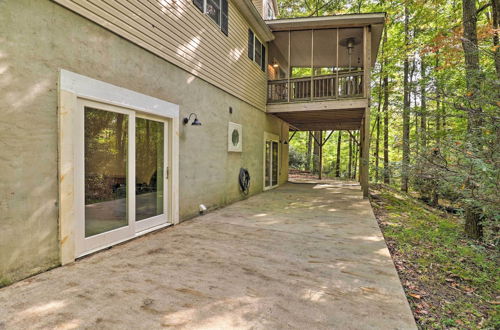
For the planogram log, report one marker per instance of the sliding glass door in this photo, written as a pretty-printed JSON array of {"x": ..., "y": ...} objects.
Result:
[
  {"x": 149, "y": 172},
  {"x": 271, "y": 161},
  {"x": 121, "y": 175}
]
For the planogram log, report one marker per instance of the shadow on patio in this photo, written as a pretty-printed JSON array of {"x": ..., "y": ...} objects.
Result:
[{"x": 301, "y": 256}]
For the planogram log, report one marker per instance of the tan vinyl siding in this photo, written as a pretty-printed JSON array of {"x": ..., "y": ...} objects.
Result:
[{"x": 178, "y": 32}]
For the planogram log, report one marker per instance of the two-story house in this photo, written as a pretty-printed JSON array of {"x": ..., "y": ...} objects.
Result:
[{"x": 123, "y": 117}]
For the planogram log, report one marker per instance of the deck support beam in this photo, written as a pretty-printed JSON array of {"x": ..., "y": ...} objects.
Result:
[{"x": 364, "y": 164}]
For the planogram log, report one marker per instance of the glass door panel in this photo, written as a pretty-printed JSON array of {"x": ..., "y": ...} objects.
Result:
[
  {"x": 121, "y": 175},
  {"x": 149, "y": 153},
  {"x": 274, "y": 163},
  {"x": 267, "y": 178},
  {"x": 105, "y": 182}
]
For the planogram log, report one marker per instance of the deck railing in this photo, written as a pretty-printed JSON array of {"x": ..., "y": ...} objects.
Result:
[{"x": 343, "y": 85}]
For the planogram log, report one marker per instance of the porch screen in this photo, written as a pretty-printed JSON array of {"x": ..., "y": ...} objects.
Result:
[{"x": 300, "y": 64}]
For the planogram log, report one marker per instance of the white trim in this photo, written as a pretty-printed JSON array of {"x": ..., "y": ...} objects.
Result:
[
  {"x": 101, "y": 240},
  {"x": 273, "y": 138},
  {"x": 348, "y": 19},
  {"x": 92, "y": 89},
  {"x": 165, "y": 225},
  {"x": 230, "y": 146},
  {"x": 75, "y": 91}
]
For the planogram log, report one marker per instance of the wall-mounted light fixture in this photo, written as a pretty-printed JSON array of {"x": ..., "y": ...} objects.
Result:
[
  {"x": 275, "y": 63},
  {"x": 195, "y": 122}
]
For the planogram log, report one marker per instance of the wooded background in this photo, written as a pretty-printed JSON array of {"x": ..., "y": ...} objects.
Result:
[{"x": 435, "y": 106}]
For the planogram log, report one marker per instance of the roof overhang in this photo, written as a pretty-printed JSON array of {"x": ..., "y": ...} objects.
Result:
[
  {"x": 375, "y": 21},
  {"x": 255, "y": 20}
]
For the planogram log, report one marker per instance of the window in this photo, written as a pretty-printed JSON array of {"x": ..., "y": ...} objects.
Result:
[
  {"x": 213, "y": 10},
  {"x": 217, "y": 10},
  {"x": 250, "y": 44},
  {"x": 256, "y": 50},
  {"x": 263, "y": 63}
]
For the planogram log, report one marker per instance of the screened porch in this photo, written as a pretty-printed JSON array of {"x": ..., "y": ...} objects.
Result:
[{"x": 316, "y": 64}]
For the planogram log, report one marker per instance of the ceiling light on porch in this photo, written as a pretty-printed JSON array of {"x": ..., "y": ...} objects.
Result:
[{"x": 350, "y": 43}]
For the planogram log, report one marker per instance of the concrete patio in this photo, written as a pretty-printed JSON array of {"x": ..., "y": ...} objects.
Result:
[{"x": 303, "y": 256}]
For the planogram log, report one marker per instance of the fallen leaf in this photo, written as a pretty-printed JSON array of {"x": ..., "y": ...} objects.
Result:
[
  {"x": 495, "y": 302},
  {"x": 422, "y": 311},
  {"x": 417, "y": 296}
]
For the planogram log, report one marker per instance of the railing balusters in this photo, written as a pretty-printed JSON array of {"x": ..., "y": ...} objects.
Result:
[{"x": 341, "y": 85}]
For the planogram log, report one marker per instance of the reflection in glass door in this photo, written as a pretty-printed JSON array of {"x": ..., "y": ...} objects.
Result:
[
  {"x": 149, "y": 169},
  {"x": 122, "y": 180},
  {"x": 106, "y": 144},
  {"x": 274, "y": 164},
  {"x": 271, "y": 171},
  {"x": 267, "y": 175}
]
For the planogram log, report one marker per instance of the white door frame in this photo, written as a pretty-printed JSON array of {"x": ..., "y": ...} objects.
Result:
[
  {"x": 273, "y": 138},
  {"x": 149, "y": 224},
  {"x": 74, "y": 91}
]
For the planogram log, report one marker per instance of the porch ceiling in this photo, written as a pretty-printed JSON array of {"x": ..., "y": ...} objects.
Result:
[
  {"x": 374, "y": 20},
  {"x": 345, "y": 119}
]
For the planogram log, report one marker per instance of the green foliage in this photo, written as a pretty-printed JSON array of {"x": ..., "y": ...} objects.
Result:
[
  {"x": 4, "y": 282},
  {"x": 449, "y": 163},
  {"x": 449, "y": 281},
  {"x": 297, "y": 160}
]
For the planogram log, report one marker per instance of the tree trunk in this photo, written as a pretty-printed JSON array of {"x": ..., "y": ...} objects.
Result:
[
  {"x": 423, "y": 105},
  {"x": 495, "y": 8},
  {"x": 337, "y": 162},
  {"x": 308, "y": 153},
  {"x": 438, "y": 103},
  {"x": 473, "y": 225},
  {"x": 349, "y": 164},
  {"x": 413, "y": 90},
  {"x": 320, "y": 155},
  {"x": 356, "y": 153},
  {"x": 316, "y": 153},
  {"x": 406, "y": 111},
  {"x": 472, "y": 68},
  {"x": 377, "y": 148},
  {"x": 386, "y": 117},
  {"x": 435, "y": 196}
]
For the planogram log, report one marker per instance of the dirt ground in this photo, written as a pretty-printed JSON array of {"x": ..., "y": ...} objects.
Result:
[{"x": 304, "y": 256}]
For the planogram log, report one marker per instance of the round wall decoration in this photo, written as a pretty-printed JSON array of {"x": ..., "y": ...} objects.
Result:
[{"x": 235, "y": 137}]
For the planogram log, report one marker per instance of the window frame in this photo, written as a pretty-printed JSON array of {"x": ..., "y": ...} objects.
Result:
[
  {"x": 205, "y": 6},
  {"x": 223, "y": 13},
  {"x": 263, "y": 51},
  {"x": 75, "y": 92}
]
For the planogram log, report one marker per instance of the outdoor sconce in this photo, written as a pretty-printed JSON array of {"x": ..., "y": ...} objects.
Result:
[
  {"x": 275, "y": 63},
  {"x": 195, "y": 122}
]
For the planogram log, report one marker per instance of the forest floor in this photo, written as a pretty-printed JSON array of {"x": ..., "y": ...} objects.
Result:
[{"x": 451, "y": 282}]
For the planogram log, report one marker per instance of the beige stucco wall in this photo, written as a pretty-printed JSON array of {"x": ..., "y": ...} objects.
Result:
[{"x": 37, "y": 38}]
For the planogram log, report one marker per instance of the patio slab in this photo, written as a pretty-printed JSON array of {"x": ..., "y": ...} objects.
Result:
[{"x": 303, "y": 256}]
